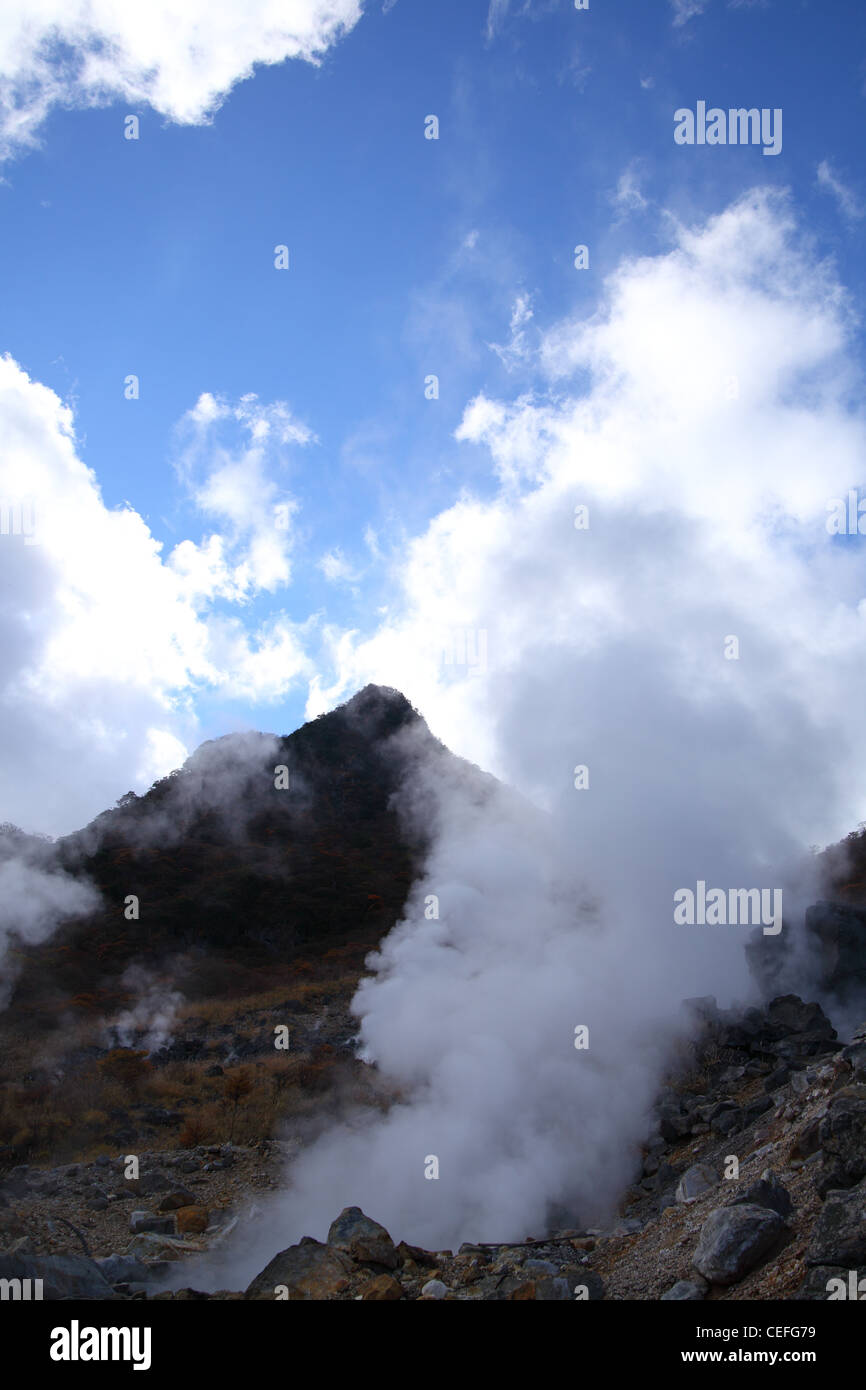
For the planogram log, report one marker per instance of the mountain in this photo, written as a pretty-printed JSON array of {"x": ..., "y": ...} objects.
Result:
[{"x": 235, "y": 872}]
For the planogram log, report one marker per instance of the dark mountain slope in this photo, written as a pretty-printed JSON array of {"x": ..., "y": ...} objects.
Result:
[{"x": 233, "y": 875}]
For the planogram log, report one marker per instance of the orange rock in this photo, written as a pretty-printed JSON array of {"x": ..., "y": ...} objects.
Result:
[
  {"x": 382, "y": 1289},
  {"x": 191, "y": 1220}
]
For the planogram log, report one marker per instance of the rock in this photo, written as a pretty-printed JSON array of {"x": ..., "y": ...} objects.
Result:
[
  {"x": 523, "y": 1292},
  {"x": 586, "y": 1285},
  {"x": 173, "y": 1201},
  {"x": 363, "y": 1239},
  {"x": 156, "y": 1247},
  {"x": 191, "y": 1220},
  {"x": 766, "y": 1192},
  {"x": 63, "y": 1276},
  {"x": 815, "y": 1284},
  {"x": 777, "y": 1079},
  {"x": 149, "y": 1184},
  {"x": 141, "y": 1221},
  {"x": 552, "y": 1289},
  {"x": 684, "y": 1291},
  {"x": 734, "y": 1239},
  {"x": 728, "y": 1120},
  {"x": 807, "y": 1141},
  {"x": 838, "y": 935},
  {"x": 424, "y": 1257},
  {"x": 696, "y": 1181},
  {"x": 856, "y": 1057},
  {"x": 434, "y": 1288},
  {"x": 124, "y": 1269},
  {"x": 673, "y": 1124},
  {"x": 755, "y": 1109},
  {"x": 308, "y": 1270},
  {"x": 839, "y": 1234},
  {"x": 842, "y": 1137},
  {"x": 383, "y": 1289}
]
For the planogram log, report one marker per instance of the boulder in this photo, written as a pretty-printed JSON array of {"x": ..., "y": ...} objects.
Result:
[
  {"x": 363, "y": 1239},
  {"x": 177, "y": 1198},
  {"x": 434, "y": 1288},
  {"x": 383, "y": 1289},
  {"x": 696, "y": 1181},
  {"x": 308, "y": 1271},
  {"x": 685, "y": 1291},
  {"x": 124, "y": 1269},
  {"x": 734, "y": 1239},
  {"x": 842, "y": 1137},
  {"x": 191, "y": 1220},
  {"x": 766, "y": 1192},
  {"x": 63, "y": 1276},
  {"x": 839, "y": 1234}
]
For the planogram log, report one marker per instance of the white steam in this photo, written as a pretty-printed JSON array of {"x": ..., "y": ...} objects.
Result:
[
  {"x": 149, "y": 1022},
  {"x": 706, "y": 417}
]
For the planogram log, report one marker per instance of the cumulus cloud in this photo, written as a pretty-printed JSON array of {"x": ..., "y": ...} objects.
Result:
[
  {"x": 105, "y": 640},
  {"x": 182, "y": 61}
]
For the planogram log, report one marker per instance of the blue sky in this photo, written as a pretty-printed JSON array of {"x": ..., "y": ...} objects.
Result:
[{"x": 408, "y": 257}]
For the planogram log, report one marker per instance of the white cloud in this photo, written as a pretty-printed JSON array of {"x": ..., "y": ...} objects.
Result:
[
  {"x": 684, "y": 10},
  {"x": 627, "y": 196},
  {"x": 336, "y": 568},
  {"x": 104, "y": 640},
  {"x": 236, "y": 489},
  {"x": 850, "y": 205},
  {"x": 606, "y": 648},
  {"x": 517, "y": 350},
  {"x": 689, "y": 412},
  {"x": 181, "y": 60}
]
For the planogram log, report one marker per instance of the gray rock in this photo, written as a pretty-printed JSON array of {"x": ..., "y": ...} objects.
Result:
[
  {"x": 727, "y": 1121},
  {"x": 766, "y": 1192},
  {"x": 696, "y": 1181},
  {"x": 149, "y": 1183},
  {"x": 147, "y": 1221},
  {"x": 588, "y": 1284},
  {"x": 856, "y": 1056},
  {"x": 362, "y": 1239},
  {"x": 777, "y": 1079},
  {"x": 63, "y": 1276},
  {"x": 839, "y": 1234},
  {"x": 685, "y": 1291},
  {"x": 734, "y": 1239},
  {"x": 535, "y": 1267},
  {"x": 124, "y": 1269},
  {"x": 815, "y": 1285},
  {"x": 434, "y": 1288},
  {"x": 843, "y": 1139}
]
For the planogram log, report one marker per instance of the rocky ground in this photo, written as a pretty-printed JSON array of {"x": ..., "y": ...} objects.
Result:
[{"x": 752, "y": 1186}]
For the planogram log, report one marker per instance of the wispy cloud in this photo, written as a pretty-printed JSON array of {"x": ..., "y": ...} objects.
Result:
[
  {"x": 684, "y": 10},
  {"x": 850, "y": 205}
]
